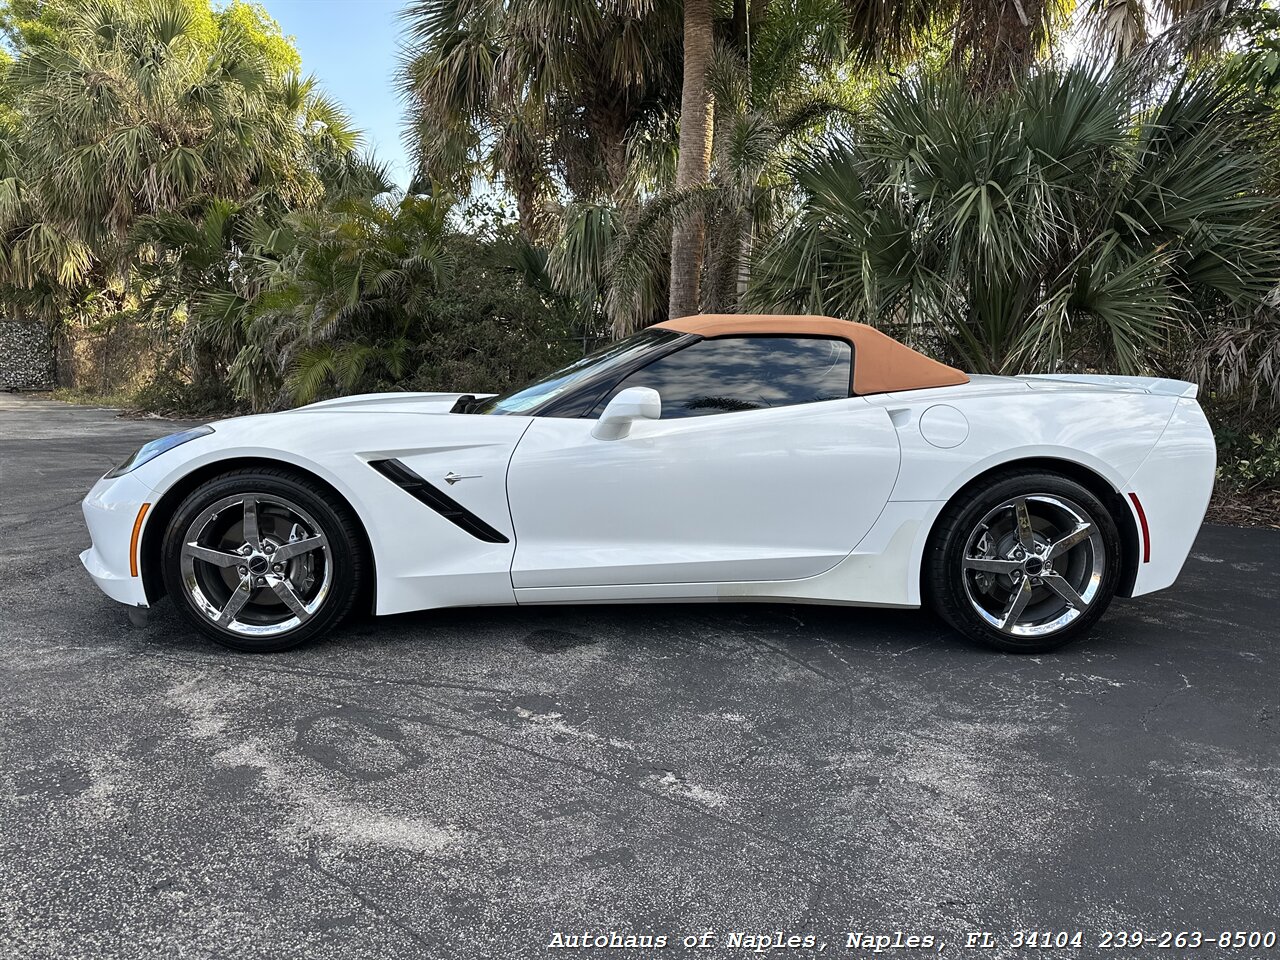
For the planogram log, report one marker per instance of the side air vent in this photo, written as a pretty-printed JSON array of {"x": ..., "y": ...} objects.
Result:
[{"x": 437, "y": 500}]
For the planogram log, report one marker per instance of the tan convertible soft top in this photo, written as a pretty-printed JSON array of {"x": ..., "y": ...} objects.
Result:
[{"x": 880, "y": 363}]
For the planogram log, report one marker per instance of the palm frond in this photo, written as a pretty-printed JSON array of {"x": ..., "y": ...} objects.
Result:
[{"x": 1059, "y": 225}]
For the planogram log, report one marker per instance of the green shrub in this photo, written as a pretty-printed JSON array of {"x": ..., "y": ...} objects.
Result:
[
  {"x": 1249, "y": 462},
  {"x": 487, "y": 331},
  {"x": 385, "y": 295},
  {"x": 168, "y": 393}
]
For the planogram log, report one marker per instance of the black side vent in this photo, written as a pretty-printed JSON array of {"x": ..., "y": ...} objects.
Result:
[{"x": 437, "y": 500}]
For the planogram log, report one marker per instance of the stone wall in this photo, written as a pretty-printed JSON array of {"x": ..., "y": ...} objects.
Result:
[{"x": 26, "y": 356}]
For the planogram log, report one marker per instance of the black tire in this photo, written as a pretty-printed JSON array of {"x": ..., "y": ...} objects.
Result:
[
  {"x": 323, "y": 596},
  {"x": 971, "y": 600}
]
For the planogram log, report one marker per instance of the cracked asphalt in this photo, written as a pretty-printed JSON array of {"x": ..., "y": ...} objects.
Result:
[{"x": 469, "y": 783}]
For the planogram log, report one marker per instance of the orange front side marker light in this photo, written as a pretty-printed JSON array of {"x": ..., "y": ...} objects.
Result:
[{"x": 133, "y": 541}]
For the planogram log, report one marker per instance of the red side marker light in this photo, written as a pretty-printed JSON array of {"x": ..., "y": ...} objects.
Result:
[{"x": 1146, "y": 533}]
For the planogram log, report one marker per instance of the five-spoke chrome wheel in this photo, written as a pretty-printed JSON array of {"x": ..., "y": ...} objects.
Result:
[
  {"x": 263, "y": 558},
  {"x": 257, "y": 565},
  {"x": 1024, "y": 561},
  {"x": 1033, "y": 564}
]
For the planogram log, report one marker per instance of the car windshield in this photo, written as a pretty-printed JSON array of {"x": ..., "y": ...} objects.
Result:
[{"x": 617, "y": 355}]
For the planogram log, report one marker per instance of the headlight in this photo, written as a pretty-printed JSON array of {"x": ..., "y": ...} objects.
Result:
[{"x": 149, "y": 451}]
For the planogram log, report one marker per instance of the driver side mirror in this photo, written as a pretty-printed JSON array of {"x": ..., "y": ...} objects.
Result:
[{"x": 631, "y": 404}]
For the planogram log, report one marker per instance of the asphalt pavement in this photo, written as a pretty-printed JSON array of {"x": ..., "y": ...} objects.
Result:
[{"x": 477, "y": 783}]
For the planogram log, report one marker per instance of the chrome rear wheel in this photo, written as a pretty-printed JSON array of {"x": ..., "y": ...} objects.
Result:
[
  {"x": 1033, "y": 564},
  {"x": 1024, "y": 561}
]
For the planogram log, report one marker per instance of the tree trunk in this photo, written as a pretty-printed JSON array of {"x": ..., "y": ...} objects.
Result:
[
  {"x": 738, "y": 27},
  {"x": 746, "y": 245},
  {"x": 529, "y": 214},
  {"x": 719, "y": 234},
  {"x": 998, "y": 41},
  {"x": 694, "y": 164},
  {"x": 720, "y": 270}
]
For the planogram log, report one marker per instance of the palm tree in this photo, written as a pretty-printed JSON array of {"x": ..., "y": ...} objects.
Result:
[
  {"x": 1054, "y": 226},
  {"x": 137, "y": 133},
  {"x": 577, "y": 103},
  {"x": 1240, "y": 363},
  {"x": 132, "y": 109},
  {"x": 1120, "y": 30},
  {"x": 775, "y": 80},
  {"x": 775, "y": 94},
  {"x": 347, "y": 293},
  {"x": 694, "y": 164},
  {"x": 543, "y": 96}
]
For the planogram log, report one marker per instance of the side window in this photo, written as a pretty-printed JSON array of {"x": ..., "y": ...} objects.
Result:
[{"x": 745, "y": 373}]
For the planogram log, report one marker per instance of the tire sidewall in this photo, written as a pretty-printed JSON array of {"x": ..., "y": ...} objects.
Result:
[
  {"x": 343, "y": 555},
  {"x": 945, "y": 579}
]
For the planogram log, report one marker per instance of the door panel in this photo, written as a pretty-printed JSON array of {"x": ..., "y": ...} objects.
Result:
[{"x": 774, "y": 494}]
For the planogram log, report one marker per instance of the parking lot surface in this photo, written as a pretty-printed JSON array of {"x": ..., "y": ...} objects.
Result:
[{"x": 477, "y": 782}]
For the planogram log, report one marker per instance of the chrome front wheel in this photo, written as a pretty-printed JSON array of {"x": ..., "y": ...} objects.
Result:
[
  {"x": 263, "y": 559},
  {"x": 256, "y": 565}
]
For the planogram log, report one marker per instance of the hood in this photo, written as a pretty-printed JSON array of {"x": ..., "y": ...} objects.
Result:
[{"x": 387, "y": 403}]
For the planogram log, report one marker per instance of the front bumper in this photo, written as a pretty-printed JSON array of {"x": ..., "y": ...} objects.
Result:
[{"x": 110, "y": 511}]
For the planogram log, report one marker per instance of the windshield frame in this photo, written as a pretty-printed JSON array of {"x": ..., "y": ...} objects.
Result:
[{"x": 578, "y": 396}]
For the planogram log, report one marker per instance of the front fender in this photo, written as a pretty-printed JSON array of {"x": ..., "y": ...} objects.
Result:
[{"x": 422, "y": 559}]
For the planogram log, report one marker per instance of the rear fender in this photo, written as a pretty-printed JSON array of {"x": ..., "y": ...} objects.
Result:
[
  {"x": 1110, "y": 434},
  {"x": 1169, "y": 494}
]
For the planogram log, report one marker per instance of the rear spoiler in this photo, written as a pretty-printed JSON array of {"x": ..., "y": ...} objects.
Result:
[{"x": 1155, "y": 385}]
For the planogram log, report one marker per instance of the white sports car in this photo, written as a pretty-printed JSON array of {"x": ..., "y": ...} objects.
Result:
[{"x": 794, "y": 459}]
